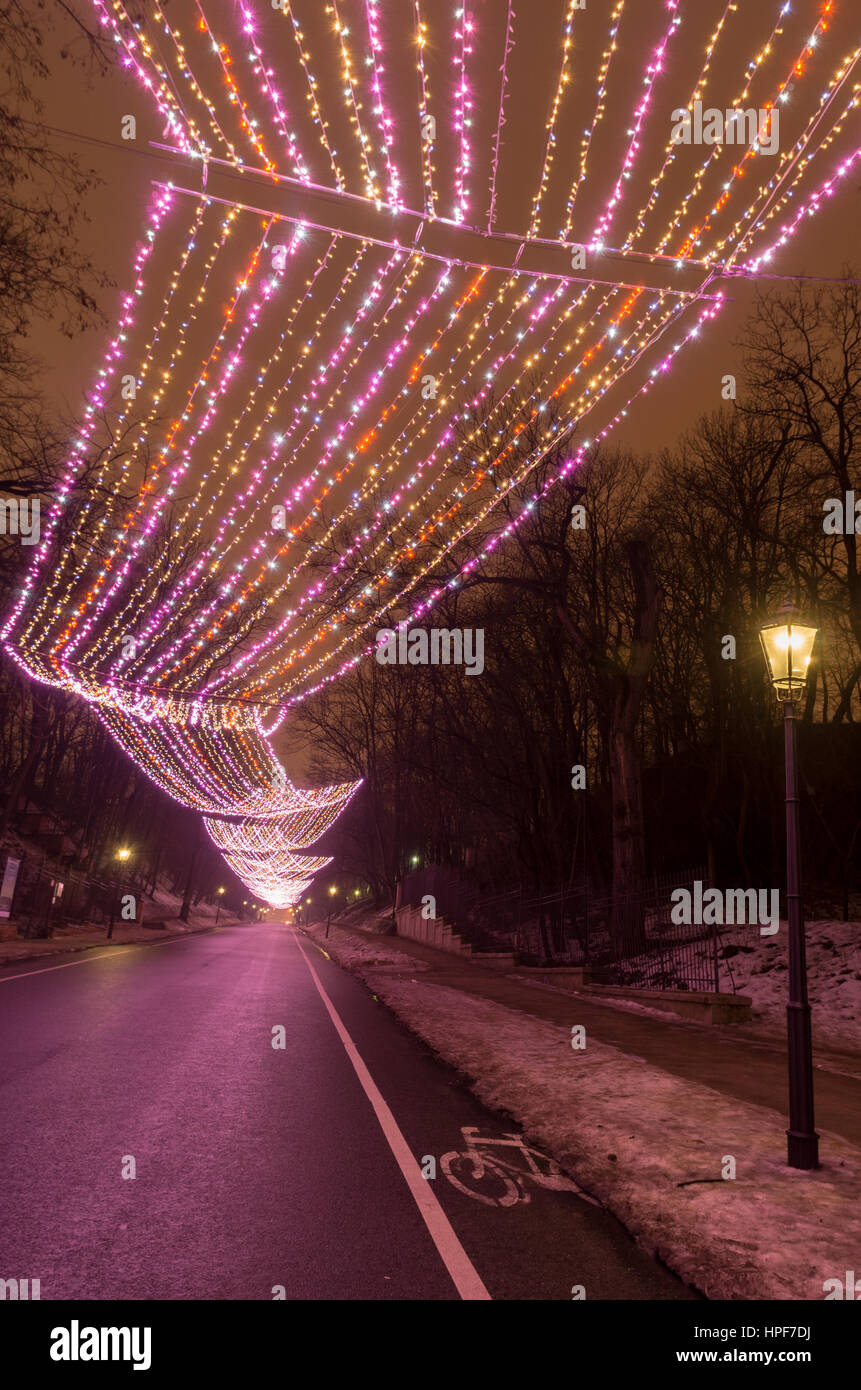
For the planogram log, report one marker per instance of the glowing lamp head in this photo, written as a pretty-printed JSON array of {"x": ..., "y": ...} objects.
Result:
[
  {"x": 332, "y": 891},
  {"x": 124, "y": 854},
  {"x": 787, "y": 646},
  {"x": 219, "y": 891}
]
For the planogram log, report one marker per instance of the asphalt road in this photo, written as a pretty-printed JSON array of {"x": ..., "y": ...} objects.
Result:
[{"x": 259, "y": 1168}]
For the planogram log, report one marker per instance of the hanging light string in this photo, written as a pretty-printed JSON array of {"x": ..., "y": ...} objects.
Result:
[
  {"x": 165, "y": 561},
  {"x": 564, "y": 78},
  {"x": 90, "y": 533},
  {"x": 257, "y": 476},
  {"x": 421, "y": 486},
  {"x": 597, "y": 117},
  {"x": 462, "y": 106},
  {"x": 425, "y": 117},
  {"x": 146, "y": 520},
  {"x": 320, "y": 123},
  {"x": 500, "y": 120},
  {"x": 653, "y": 70}
]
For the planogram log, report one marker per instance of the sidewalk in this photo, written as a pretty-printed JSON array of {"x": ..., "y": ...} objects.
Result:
[
  {"x": 646, "y": 1116},
  {"x": 718, "y": 1056},
  {"x": 72, "y": 939}
]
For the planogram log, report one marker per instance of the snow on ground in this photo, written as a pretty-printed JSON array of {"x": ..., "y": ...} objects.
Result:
[
  {"x": 751, "y": 964},
  {"x": 760, "y": 968},
  {"x": 630, "y": 1133},
  {"x": 357, "y": 953}
]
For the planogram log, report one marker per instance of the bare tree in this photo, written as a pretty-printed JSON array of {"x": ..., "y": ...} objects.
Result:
[{"x": 804, "y": 369}]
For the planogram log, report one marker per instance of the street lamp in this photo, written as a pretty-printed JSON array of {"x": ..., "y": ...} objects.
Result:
[
  {"x": 220, "y": 892},
  {"x": 123, "y": 855},
  {"x": 787, "y": 645}
]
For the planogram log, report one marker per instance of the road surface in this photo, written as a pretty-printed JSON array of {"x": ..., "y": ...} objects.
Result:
[{"x": 256, "y": 1168}]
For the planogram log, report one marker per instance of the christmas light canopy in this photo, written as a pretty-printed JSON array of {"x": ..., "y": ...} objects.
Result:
[{"x": 366, "y": 258}]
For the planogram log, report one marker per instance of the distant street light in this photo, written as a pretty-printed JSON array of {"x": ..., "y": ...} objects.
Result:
[
  {"x": 220, "y": 892},
  {"x": 332, "y": 891},
  {"x": 787, "y": 646}
]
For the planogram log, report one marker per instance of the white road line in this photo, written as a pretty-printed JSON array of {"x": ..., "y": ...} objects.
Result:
[
  {"x": 143, "y": 946},
  {"x": 464, "y": 1274}
]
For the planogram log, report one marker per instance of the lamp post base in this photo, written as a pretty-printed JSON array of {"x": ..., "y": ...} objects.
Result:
[
  {"x": 802, "y": 1139},
  {"x": 802, "y": 1150}
]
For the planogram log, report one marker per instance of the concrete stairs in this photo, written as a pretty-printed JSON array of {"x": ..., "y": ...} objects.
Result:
[
  {"x": 433, "y": 931},
  {"x": 437, "y": 932}
]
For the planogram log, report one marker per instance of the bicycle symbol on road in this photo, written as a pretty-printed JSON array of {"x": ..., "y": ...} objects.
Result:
[{"x": 498, "y": 1181}]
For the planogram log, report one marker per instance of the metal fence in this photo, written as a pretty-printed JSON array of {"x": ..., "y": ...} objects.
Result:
[
  {"x": 630, "y": 941},
  {"x": 642, "y": 947},
  {"x": 48, "y": 896}
]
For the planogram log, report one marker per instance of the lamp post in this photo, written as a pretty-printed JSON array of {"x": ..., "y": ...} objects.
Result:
[
  {"x": 332, "y": 891},
  {"x": 220, "y": 892},
  {"x": 787, "y": 645},
  {"x": 122, "y": 855}
]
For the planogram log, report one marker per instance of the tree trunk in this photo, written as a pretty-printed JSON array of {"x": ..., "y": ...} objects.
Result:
[
  {"x": 625, "y": 775},
  {"x": 38, "y": 728},
  {"x": 189, "y": 878},
  {"x": 628, "y": 834}
]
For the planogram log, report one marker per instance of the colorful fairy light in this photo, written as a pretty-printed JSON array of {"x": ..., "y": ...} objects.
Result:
[{"x": 357, "y": 389}]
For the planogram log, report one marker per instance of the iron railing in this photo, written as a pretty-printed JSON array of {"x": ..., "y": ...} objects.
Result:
[
  {"x": 628, "y": 940},
  {"x": 47, "y": 896}
]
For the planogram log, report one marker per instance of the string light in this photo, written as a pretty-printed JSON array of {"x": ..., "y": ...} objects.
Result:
[{"x": 364, "y": 392}]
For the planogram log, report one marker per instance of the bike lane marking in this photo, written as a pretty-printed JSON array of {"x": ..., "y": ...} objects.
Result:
[
  {"x": 477, "y": 1145},
  {"x": 463, "y": 1273}
]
